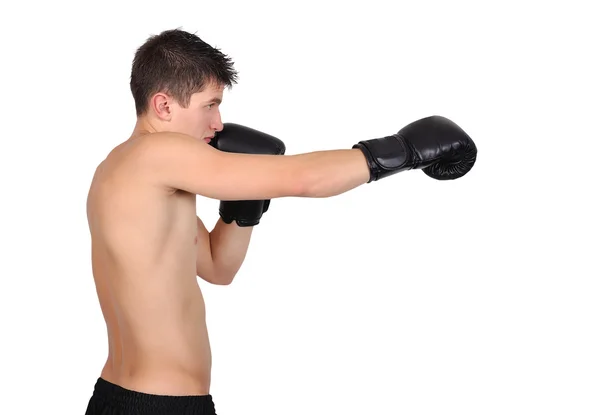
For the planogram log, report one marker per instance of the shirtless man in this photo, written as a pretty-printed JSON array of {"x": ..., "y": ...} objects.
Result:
[{"x": 148, "y": 245}]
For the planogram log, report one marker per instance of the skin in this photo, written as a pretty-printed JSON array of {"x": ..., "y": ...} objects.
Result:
[{"x": 148, "y": 248}]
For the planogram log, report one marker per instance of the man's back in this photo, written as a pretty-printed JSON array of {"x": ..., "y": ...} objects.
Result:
[{"x": 144, "y": 249}]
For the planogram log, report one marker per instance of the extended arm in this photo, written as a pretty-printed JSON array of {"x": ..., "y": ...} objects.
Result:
[{"x": 434, "y": 144}]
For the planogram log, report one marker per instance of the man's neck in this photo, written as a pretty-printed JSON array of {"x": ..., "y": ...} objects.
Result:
[{"x": 143, "y": 126}]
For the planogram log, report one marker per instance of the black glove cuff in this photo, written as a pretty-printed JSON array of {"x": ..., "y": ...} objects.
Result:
[
  {"x": 385, "y": 156},
  {"x": 244, "y": 212}
]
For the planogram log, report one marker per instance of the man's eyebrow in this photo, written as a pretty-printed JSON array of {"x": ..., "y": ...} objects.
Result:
[{"x": 215, "y": 100}]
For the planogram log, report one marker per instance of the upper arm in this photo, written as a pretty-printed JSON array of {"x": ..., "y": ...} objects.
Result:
[{"x": 181, "y": 162}]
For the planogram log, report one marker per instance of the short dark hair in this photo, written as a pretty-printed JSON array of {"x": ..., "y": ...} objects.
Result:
[{"x": 180, "y": 64}]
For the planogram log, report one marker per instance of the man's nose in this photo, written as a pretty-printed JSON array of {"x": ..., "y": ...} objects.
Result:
[{"x": 217, "y": 125}]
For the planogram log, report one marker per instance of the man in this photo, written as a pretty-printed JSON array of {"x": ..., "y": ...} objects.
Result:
[{"x": 148, "y": 245}]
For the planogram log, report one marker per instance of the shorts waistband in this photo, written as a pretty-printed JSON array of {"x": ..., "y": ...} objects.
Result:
[{"x": 126, "y": 399}]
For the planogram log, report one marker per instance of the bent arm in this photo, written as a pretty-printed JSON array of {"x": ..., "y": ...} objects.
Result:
[
  {"x": 229, "y": 244},
  {"x": 221, "y": 252},
  {"x": 178, "y": 161}
]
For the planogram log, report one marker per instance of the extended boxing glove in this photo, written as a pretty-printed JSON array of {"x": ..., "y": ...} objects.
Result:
[
  {"x": 236, "y": 138},
  {"x": 434, "y": 144}
]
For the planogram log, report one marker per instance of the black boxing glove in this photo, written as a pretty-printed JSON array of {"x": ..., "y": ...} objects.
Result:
[
  {"x": 434, "y": 144},
  {"x": 235, "y": 138}
]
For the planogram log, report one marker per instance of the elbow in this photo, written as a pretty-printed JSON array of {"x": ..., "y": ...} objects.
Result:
[
  {"x": 216, "y": 274},
  {"x": 304, "y": 184},
  {"x": 215, "y": 278},
  {"x": 222, "y": 279},
  {"x": 312, "y": 185}
]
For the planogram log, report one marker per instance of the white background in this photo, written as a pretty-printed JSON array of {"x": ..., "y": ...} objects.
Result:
[{"x": 404, "y": 296}]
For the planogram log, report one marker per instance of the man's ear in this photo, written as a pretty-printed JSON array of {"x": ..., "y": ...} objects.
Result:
[{"x": 161, "y": 105}]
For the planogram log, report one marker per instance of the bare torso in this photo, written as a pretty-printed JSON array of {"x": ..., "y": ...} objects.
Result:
[{"x": 144, "y": 249}]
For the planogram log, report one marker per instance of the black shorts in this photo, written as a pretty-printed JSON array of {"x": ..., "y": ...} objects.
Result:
[{"x": 111, "y": 399}]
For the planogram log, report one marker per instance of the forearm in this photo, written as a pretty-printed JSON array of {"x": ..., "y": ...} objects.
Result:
[
  {"x": 229, "y": 245},
  {"x": 332, "y": 172}
]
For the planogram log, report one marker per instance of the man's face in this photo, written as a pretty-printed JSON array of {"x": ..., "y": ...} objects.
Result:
[{"x": 202, "y": 118}]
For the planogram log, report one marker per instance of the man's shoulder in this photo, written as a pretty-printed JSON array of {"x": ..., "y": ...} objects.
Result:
[
  {"x": 139, "y": 157},
  {"x": 125, "y": 155},
  {"x": 146, "y": 159},
  {"x": 123, "y": 167}
]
